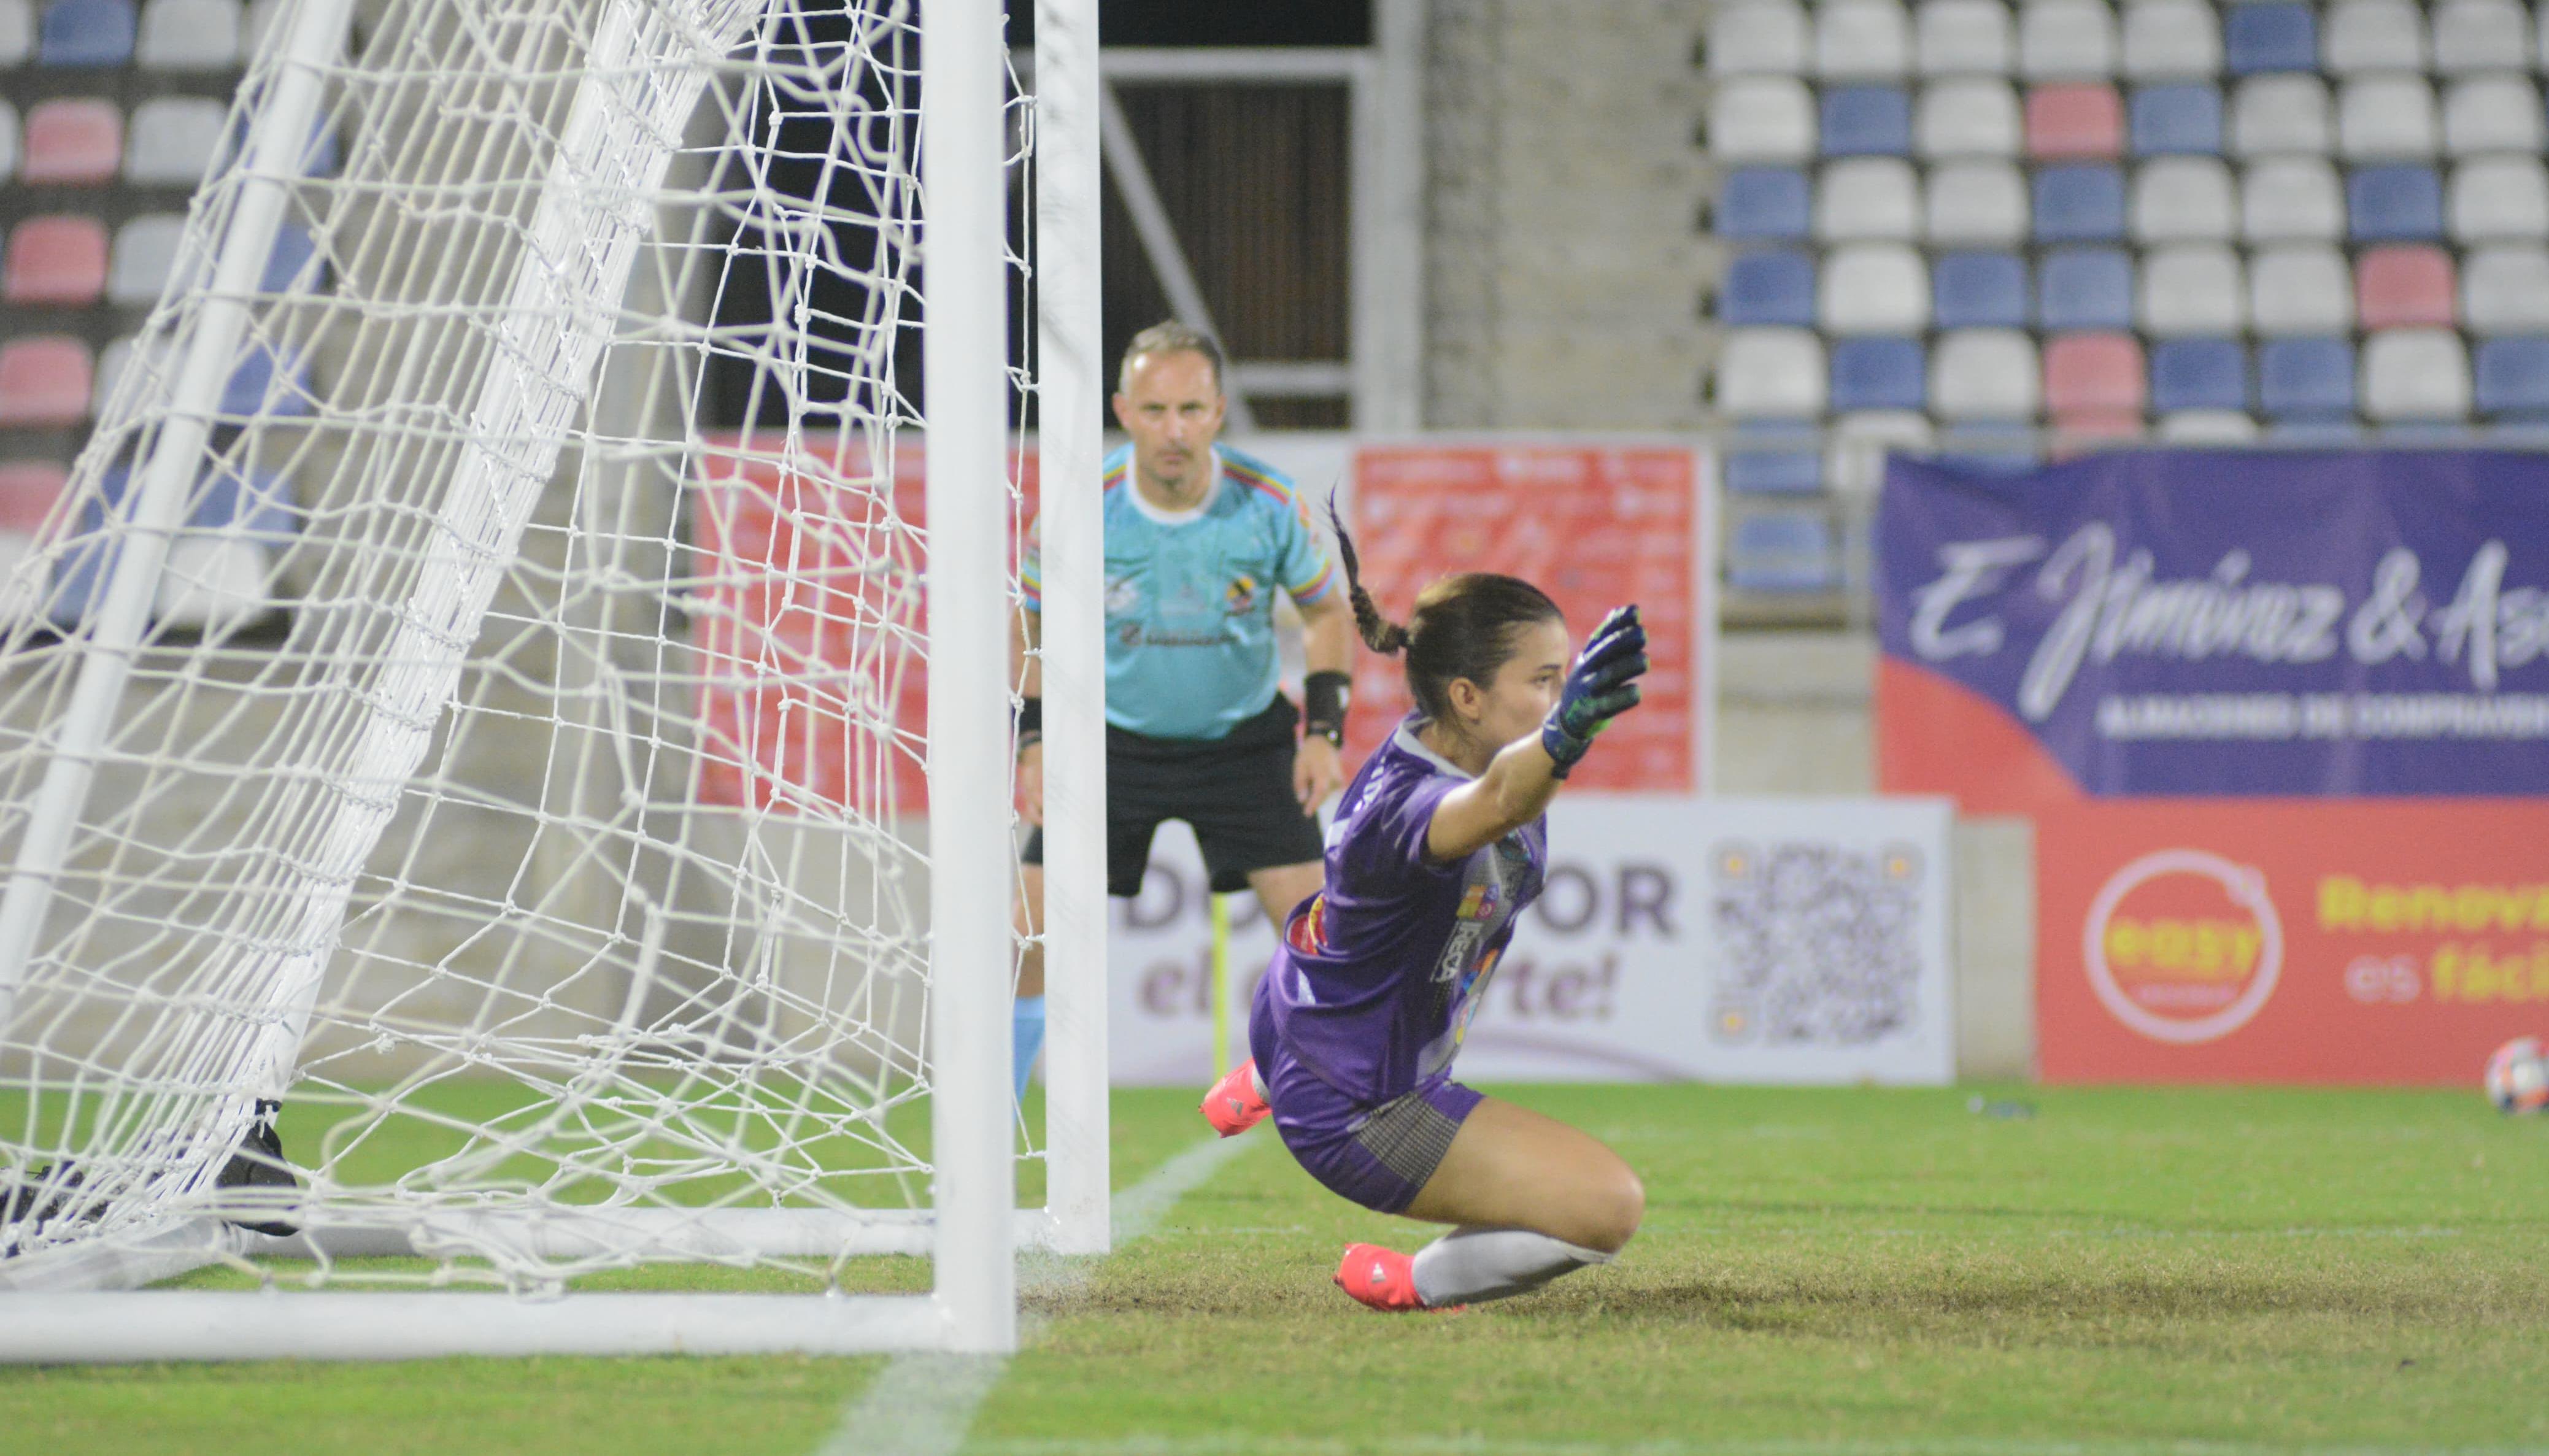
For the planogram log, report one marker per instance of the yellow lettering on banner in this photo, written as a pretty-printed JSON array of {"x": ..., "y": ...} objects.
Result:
[
  {"x": 2346, "y": 903},
  {"x": 2475, "y": 972},
  {"x": 2183, "y": 949},
  {"x": 2341, "y": 901}
]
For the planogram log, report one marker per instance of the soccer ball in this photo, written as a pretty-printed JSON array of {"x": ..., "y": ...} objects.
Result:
[{"x": 2517, "y": 1076}]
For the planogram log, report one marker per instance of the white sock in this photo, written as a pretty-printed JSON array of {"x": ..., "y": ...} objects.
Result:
[{"x": 1469, "y": 1266}]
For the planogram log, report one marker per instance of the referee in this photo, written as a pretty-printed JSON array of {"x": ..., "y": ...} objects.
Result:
[{"x": 1198, "y": 539}]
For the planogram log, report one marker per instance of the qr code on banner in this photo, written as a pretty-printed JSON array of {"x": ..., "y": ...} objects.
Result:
[{"x": 1816, "y": 944}]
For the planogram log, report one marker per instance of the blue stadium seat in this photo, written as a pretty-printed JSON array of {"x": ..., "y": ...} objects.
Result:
[
  {"x": 1775, "y": 461},
  {"x": 1993, "y": 449},
  {"x": 2306, "y": 379},
  {"x": 1765, "y": 204},
  {"x": 1877, "y": 374},
  {"x": 1978, "y": 291},
  {"x": 2085, "y": 287},
  {"x": 1771, "y": 287},
  {"x": 289, "y": 264},
  {"x": 263, "y": 384},
  {"x": 85, "y": 33},
  {"x": 2314, "y": 434},
  {"x": 259, "y": 505},
  {"x": 2078, "y": 204},
  {"x": 2198, "y": 374},
  {"x": 2393, "y": 204},
  {"x": 1785, "y": 552},
  {"x": 1866, "y": 121},
  {"x": 2176, "y": 120},
  {"x": 2270, "y": 38},
  {"x": 2513, "y": 378}
]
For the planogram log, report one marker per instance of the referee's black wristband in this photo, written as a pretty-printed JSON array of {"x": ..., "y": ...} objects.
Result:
[
  {"x": 1324, "y": 697},
  {"x": 1030, "y": 724}
]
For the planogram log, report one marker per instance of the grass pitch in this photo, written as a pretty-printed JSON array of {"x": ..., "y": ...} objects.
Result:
[{"x": 1851, "y": 1271}]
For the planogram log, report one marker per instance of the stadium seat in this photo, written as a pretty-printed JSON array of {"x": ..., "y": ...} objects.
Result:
[
  {"x": 2166, "y": 40},
  {"x": 2500, "y": 199},
  {"x": 55, "y": 260},
  {"x": 2074, "y": 121},
  {"x": 2198, "y": 374},
  {"x": 2184, "y": 199},
  {"x": 2084, "y": 431},
  {"x": 1984, "y": 374},
  {"x": 2183, "y": 118},
  {"x": 2393, "y": 204},
  {"x": 2403, "y": 287},
  {"x": 1861, "y": 40},
  {"x": 112, "y": 361},
  {"x": 1855, "y": 463},
  {"x": 259, "y": 506},
  {"x": 1978, "y": 290},
  {"x": 2276, "y": 37},
  {"x": 2480, "y": 36},
  {"x": 2271, "y": 116},
  {"x": 146, "y": 253},
  {"x": 29, "y": 491},
  {"x": 2192, "y": 289},
  {"x": 2079, "y": 202},
  {"x": 2506, "y": 290},
  {"x": 2314, "y": 435},
  {"x": 2513, "y": 378},
  {"x": 294, "y": 263},
  {"x": 1768, "y": 289},
  {"x": 73, "y": 141},
  {"x": 2373, "y": 36},
  {"x": 174, "y": 140},
  {"x": 2084, "y": 288},
  {"x": 2299, "y": 289},
  {"x": 1758, "y": 37},
  {"x": 2386, "y": 117},
  {"x": 1962, "y": 37},
  {"x": 1969, "y": 116},
  {"x": 1761, "y": 119},
  {"x": 2291, "y": 198},
  {"x": 1976, "y": 204},
  {"x": 2414, "y": 374},
  {"x": 17, "y": 32},
  {"x": 1781, "y": 551},
  {"x": 2200, "y": 427},
  {"x": 1993, "y": 449},
  {"x": 2492, "y": 113},
  {"x": 189, "y": 35},
  {"x": 1877, "y": 374},
  {"x": 43, "y": 382},
  {"x": 1866, "y": 121},
  {"x": 266, "y": 383},
  {"x": 2065, "y": 40},
  {"x": 85, "y": 33},
  {"x": 2305, "y": 378},
  {"x": 1764, "y": 204},
  {"x": 8, "y": 140},
  {"x": 1867, "y": 198},
  {"x": 1872, "y": 288},
  {"x": 1774, "y": 461},
  {"x": 1770, "y": 374}
]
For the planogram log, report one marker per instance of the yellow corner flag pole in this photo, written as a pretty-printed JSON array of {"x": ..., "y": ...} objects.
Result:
[{"x": 1220, "y": 985}]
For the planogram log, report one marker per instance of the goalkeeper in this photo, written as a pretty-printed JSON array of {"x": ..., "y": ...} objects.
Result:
[{"x": 1198, "y": 540}]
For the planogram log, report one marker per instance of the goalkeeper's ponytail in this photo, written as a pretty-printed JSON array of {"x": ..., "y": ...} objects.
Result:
[
  {"x": 1463, "y": 626},
  {"x": 1378, "y": 632}
]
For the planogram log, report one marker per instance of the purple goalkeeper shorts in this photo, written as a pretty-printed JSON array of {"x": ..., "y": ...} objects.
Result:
[{"x": 1378, "y": 1155}]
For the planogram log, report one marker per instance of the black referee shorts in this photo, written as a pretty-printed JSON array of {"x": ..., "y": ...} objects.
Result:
[{"x": 1235, "y": 791}]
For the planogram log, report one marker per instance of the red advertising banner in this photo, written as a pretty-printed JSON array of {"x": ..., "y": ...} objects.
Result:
[
  {"x": 1593, "y": 526},
  {"x": 2355, "y": 940}
]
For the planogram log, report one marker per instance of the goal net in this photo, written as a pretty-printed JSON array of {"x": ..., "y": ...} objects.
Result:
[{"x": 504, "y": 746}]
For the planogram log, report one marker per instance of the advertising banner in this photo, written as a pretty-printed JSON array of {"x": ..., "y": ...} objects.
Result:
[
  {"x": 1724, "y": 940},
  {"x": 2190, "y": 623},
  {"x": 2274, "y": 940}
]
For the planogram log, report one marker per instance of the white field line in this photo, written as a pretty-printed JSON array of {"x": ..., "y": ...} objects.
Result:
[{"x": 922, "y": 1404}]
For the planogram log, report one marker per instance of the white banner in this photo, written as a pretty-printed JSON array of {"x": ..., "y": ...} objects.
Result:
[{"x": 1721, "y": 939}]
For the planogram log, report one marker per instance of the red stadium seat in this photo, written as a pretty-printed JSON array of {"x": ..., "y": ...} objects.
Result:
[
  {"x": 2090, "y": 430},
  {"x": 2094, "y": 374},
  {"x": 44, "y": 381},
  {"x": 77, "y": 141},
  {"x": 28, "y": 490},
  {"x": 2408, "y": 287},
  {"x": 2077, "y": 120},
  {"x": 55, "y": 260}
]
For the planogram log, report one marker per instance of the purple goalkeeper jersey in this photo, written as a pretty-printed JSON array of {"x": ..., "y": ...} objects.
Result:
[{"x": 1378, "y": 975}]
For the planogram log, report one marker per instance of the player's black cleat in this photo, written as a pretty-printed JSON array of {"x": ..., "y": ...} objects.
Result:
[{"x": 257, "y": 1164}]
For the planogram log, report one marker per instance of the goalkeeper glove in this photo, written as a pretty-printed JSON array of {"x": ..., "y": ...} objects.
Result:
[{"x": 1601, "y": 686}]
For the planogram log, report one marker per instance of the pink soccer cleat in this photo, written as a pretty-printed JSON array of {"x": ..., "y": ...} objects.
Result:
[
  {"x": 1233, "y": 1106},
  {"x": 1384, "y": 1279}
]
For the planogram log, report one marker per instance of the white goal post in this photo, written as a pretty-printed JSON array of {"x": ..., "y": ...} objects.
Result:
[{"x": 462, "y": 823}]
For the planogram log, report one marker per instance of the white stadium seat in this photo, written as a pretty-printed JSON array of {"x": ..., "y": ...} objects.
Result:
[
  {"x": 1866, "y": 198},
  {"x": 188, "y": 35},
  {"x": 1984, "y": 374},
  {"x": 2171, "y": 40},
  {"x": 2416, "y": 374},
  {"x": 8, "y": 140},
  {"x": 2506, "y": 290},
  {"x": 1854, "y": 460},
  {"x": 1976, "y": 204},
  {"x": 2191, "y": 289},
  {"x": 1759, "y": 37},
  {"x": 1873, "y": 288},
  {"x": 1761, "y": 119},
  {"x": 2494, "y": 112},
  {"x": 2373, "y": 36},
  {"x": 2481, "y": 36},
  {"x": 2300, "y": 288},
  {"x": 146, "y": 253},
  {"x": 2271, "y": 115},
  {"x": 2291, "y": 198},
  {"x": 1971, "y": 115},
  {"x": 2065, "y": 40},
  {"x": 1770, "y": 374},
  {"x": 2384, "y": 117},
  {"x": 2500, "y": 199},
  {"x": 2184, "y": 199},
  {"x": 1962, "y": 37},
  {"x": 18, "y": 31},
  {"x": 174, "y": 139},
  {"x": 2207, "y": 427},
  {"x": 1861, "y": 40}
]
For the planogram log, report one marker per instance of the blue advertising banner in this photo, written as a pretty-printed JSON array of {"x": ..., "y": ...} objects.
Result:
[{"x": 2216, "y": 622}]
